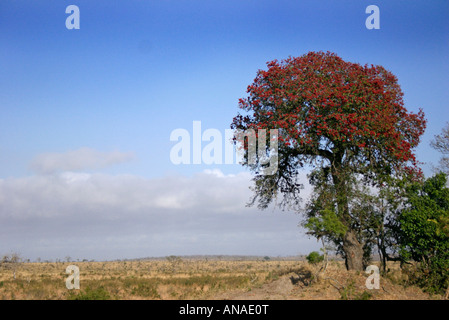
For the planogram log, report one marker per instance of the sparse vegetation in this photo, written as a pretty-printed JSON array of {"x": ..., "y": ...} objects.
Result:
[{"x": 202, "y": 279}]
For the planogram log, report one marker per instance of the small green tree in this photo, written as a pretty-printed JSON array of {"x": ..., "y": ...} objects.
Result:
[
  {"x": 314, "y": 258},
  {"x": 424, "y": 231}
]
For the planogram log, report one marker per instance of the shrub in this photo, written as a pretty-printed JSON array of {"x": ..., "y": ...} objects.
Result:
[{"x": 314, "y": 257}]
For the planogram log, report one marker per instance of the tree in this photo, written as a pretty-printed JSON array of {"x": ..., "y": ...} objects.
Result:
[
  {"x": 343, "y": 120},
  {"x": 314, "y": 258},
  {"x": 424, "y": 230},
  {"x": 441, "y": 143},
  {"x": 11, "y": 261},
  {"x": 174, "y": 262}
]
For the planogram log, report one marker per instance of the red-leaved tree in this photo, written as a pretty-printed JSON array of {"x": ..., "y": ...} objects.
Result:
[{"x": 341, "y": 119}]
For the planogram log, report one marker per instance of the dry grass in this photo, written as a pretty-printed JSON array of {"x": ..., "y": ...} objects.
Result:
[{"x": 201, "y": 279}]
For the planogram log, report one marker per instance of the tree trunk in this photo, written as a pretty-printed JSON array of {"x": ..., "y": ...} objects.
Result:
[
  {"x": 353, "y": 251},
  {"x": 352, "y": 248}
]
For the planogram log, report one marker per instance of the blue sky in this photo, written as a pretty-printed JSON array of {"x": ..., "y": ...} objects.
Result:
[{"x": 138, "y": 69}]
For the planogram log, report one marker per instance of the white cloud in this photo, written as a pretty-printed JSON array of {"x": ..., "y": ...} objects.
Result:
[
  {"x": 80, "y": 159},
  {"x": 216, "y": 172},
  {"x": 102, "y": 216}
]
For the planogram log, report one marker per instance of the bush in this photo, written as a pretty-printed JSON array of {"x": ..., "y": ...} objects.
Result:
[{"x": 314, "y": 257}]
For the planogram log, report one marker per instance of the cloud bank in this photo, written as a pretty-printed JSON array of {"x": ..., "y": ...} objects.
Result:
[{"x": 102, "y": 216}]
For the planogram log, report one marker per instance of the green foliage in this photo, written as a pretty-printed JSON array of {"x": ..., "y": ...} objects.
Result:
[
  {"x": 424, "y": 231},
  {"x": 326, "y": 223},
  {"x": 92, "y": 294},
  {"x": 314, "y": 257}
]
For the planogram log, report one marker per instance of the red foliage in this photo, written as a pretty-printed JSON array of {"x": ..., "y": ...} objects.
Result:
[{"x": 321, "y": 102}]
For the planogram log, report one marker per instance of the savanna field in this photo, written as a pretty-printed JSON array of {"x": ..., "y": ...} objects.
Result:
[{"x": 176, "y": 278}]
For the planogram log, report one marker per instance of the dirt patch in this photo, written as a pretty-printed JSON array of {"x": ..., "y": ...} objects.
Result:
[{"x": 279, "y": 289}]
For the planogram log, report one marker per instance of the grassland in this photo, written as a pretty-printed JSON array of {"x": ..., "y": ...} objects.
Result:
[{"x": 187, "y": 278}]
